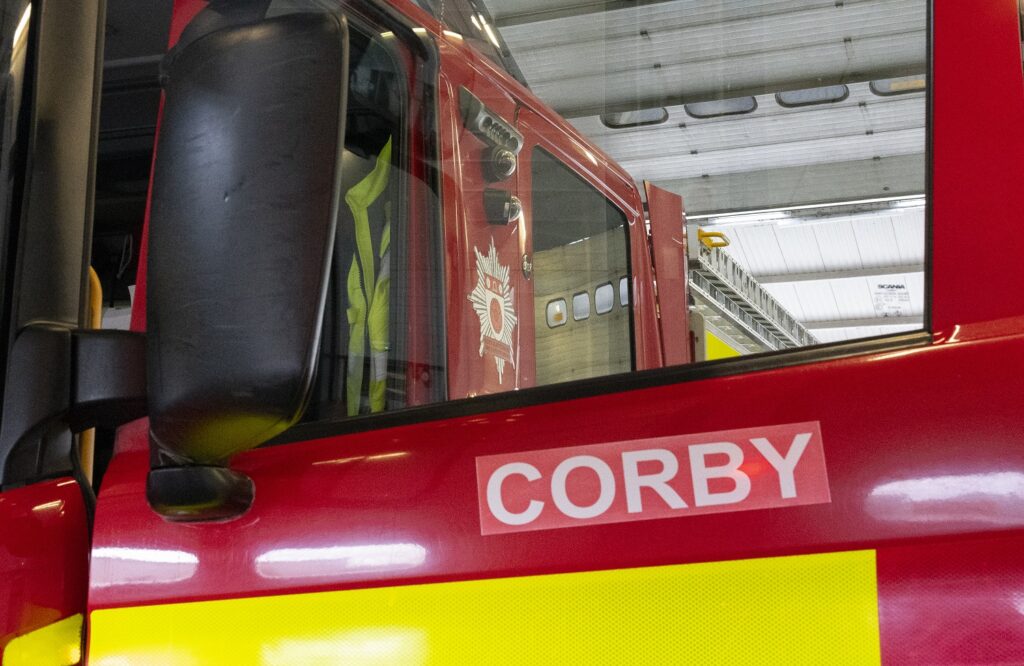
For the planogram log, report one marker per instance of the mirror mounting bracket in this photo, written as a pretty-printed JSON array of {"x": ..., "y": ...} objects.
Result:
[
  {"x": 199, "y": 493},
  {"x": 64, "y": 380}
]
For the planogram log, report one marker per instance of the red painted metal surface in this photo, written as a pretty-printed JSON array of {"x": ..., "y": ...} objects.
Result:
[
  {"x": 958, "y": 602},
  {"x": 414, "y": 488},
  {"x": 923, "y": 446},
  {"x": 472, "y": 366},
  {"x": 668, "y": 242},
  {"x": 467, "y": 229},
  {"x": 44, "y": 556},
  {"x": 976, "y": 153}
]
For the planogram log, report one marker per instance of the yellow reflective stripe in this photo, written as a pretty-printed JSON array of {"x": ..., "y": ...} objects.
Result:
[
  {"x": 57, "y": 644},
  {"x": 809, "y": 609}
]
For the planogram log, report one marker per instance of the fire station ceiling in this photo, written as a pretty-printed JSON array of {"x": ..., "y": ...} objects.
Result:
[
  {"x": 744, "y": 105},
  {"x": 589, "y": 58}
]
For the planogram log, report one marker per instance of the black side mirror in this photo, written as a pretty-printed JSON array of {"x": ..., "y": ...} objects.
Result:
[{"x": 245, "y": 197}]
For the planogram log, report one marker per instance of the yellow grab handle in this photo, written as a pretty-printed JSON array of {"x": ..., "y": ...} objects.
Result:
[
  {"x": 712, "y": 239},
  {"x": 87, "y": 440},
  {"x": 95, "y": 300}
]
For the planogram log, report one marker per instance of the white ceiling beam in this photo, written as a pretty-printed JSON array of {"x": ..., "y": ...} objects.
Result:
[
  {"x": 911, "y": 320},
  {"x": 875, "y": 271},
  {"x": 793, "y": 186}
]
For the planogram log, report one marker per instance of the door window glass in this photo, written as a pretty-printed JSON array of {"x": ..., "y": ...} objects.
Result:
[
  {"x": 556, "y": 315},
  {"x": 604, "y": 299},
  {"x": 378, "y": 349},
  {"x": 579, "y": 243}
]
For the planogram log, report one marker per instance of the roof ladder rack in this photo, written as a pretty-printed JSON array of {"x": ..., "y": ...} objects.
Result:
[{"x": 728, "y": 289}]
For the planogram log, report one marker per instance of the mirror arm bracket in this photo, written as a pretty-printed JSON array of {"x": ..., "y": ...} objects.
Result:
[
  {"x": 63, "y": 380},
  {"x": 198, "y": 493}
]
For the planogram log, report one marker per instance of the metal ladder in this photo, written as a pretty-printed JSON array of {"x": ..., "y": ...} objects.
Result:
[{"x": 729, "y": 290}]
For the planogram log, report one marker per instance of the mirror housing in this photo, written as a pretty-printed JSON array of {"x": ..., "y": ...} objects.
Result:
[{"x": 246, "y": 189}]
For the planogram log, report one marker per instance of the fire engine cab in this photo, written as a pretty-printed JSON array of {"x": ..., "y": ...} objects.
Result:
[{"x": 511, "y": 332}]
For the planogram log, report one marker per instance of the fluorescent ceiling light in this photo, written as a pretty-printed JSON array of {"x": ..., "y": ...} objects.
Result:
[{"x": 903, "y": 202}]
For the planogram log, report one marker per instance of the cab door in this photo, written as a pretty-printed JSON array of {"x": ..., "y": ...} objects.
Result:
[
  {"x": 587, "y": 257},
  {"x": 489, "y": 289},
  {"x": 48, "y": 109}
]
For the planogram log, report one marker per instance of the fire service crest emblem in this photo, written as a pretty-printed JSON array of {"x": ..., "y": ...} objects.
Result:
[{"x": 493, "y": 300}]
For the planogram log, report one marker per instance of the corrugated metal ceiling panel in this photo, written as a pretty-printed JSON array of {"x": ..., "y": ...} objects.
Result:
[
  {"x": 675, "y": 50},
  {"x": 915, "y": 284},
  {"x": 838, "y": 245},
  {"x": 876, "y": 241},
  {"x": 863, "y": 240},
  {"x": 556, "y": 50},
  {"x": 853, "y": 333},
  {"x": 579, "y": 16},
  {"x": 841, "y": 243},
  {"x": 814, "y": 184},
  {"x": 730, "y": 77},
  {"x": 909, "y": 231},
  {"x": 853, "y": 298},
  {"x": 818, "y": 301},
  {"x": 764, "y": 254},
  {"x": 787, "y": 297}
]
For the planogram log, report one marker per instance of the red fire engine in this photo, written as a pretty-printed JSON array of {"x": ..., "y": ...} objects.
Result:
[{"x": 412, "y": 376}]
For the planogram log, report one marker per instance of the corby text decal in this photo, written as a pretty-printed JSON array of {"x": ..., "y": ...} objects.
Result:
[{"x": 731, "y": 470}]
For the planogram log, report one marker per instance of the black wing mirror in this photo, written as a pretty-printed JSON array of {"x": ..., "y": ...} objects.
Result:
[{"x": 246, "y": 190}]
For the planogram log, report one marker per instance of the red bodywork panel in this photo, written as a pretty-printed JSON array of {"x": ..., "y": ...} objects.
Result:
[
  {"x": 44, "y": 556},
  {"x": 417, "y": 484},
  {"x": 668, "y": 241},
  {"x": 923, "y": 445},
  {"x": 467, "y": 229},
  {"x": 952, "y": 602},
  {"x": 977, "y": 238}
]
